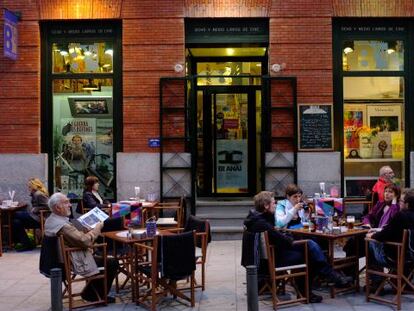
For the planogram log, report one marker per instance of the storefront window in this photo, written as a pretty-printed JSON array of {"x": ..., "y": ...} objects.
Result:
[
  {"x": 83, "y": 134},
  {"x": 223, "y": 73},
  {"x": 373, "y": 130},
  {"x": 82, "y": 57},
  {"x": 364, "y": 55}
]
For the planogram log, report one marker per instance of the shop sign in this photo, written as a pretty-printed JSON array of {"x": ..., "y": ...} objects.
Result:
[
  {"x": 153, "y": 142},
  {"x": 82, "y": 29},
  {"x": 377, "y": 27},
  {"x": 10, "y": 34},
  {"x": 238, "y": 30}
]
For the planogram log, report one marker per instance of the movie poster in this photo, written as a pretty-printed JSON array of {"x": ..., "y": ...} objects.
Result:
[
  {"x": 77, "y": 153},
  {"x": 353, "y": 119}
]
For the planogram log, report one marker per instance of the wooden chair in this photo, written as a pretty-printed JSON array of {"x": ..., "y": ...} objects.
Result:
[
  {"x": 257, "y": 250},
  {"x": 203, "y": 237},
  {"x": 399, "y": 275},
  {"x": 152, "y": 268},
  {"x": 72, "y": 278},
  {"x": 166, "y": 208},
  {"x": 44, "y": 213},
  {"x": 81, "y": 209},
  {"x": 287, "y": 274}
]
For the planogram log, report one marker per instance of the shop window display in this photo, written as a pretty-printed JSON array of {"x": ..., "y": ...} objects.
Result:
[
  {"x": 373, "y": 128},
  {"x": 83, "y": 135},
  {"x": 82, "y": 57}
]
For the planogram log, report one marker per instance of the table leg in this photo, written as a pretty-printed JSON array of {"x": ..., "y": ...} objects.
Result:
[
  {"x": 10, "y": 231},
  {"x": 331, "y": 257},
  {"x": 356, "y": 264}
]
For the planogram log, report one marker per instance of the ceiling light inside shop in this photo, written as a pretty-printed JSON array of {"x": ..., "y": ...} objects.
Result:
[
  {"x": 62, "y": 49},
  {"x": 108, "y": 49},
  {"x": 87, "y": 52},
  {"x": 348, "y": 47},
  {"x": 230, "y": 51},
  {"x": 392, "y": 46},
  {"x": 90, "y": 86}
]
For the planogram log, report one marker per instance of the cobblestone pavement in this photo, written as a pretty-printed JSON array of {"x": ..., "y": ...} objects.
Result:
[{"x": 23, "y": 288}]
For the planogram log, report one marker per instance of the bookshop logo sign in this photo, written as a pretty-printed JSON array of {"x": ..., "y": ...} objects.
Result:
[{"x": 10, "y": 34}]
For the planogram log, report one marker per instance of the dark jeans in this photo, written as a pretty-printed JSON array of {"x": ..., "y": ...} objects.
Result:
[
  {"x": 88, "y": 292},
  {"x": 317, "y": 260},
  {"x": 21, "y": 221},
  {"x": 377, "y": 259}
]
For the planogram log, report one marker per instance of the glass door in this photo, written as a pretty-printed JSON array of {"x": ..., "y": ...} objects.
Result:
[{"x": 229, "y": 143}]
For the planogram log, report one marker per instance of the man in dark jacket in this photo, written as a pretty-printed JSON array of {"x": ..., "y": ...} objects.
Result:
[
  {"x": 261, "y": 219},
  {"x": 393, "y": 232}
]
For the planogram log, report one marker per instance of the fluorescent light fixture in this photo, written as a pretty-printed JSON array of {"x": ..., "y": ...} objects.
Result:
[{"x": 230, "y": 51}]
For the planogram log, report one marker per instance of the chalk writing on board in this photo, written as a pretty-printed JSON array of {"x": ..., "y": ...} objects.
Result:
[{"x": 315, "y": 127}]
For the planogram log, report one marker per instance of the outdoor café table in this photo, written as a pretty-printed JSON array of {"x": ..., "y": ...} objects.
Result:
[
  {"x": 337, "y": 263},
  {"x": 8, "y": 212},
  {"x": 126, "y": 259}
]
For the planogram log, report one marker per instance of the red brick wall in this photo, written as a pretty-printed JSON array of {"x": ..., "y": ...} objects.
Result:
[
  {"x": 151, "y": 48},
  {"x": 153, "y": 42},
  {"x": 20, "y": 84}
]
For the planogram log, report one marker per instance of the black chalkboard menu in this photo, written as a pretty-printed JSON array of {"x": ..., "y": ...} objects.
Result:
[{"x": 315, "y": 127}]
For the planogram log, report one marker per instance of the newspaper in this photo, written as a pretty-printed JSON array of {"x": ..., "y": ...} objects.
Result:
[{"x": 92, "y": 218}]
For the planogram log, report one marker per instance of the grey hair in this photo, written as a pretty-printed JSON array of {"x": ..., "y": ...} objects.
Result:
[
  {"x": 383, "y": 169},
  {"x": 55, "y": 200}
]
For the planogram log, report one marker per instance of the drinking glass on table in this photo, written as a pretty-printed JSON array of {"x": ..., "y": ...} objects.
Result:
[
  {"x": 137, "y": 193},
  {"x": 305, "y": 221},
  {"x": 350, "y": 220},
  {"x": 306, "y": 212}
]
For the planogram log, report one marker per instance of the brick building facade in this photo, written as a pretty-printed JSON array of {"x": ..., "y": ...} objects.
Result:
[{"x": 301, "y": 38}]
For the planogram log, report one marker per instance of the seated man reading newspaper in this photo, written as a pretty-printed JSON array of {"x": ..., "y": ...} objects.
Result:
[{"x": 58, "y": 224}]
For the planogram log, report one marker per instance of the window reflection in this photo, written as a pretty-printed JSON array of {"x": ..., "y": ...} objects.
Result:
[
  {"x": 82, "y": 57},
  {"x": 227, "y": 71},
  {"x": 375, "y": 55}
]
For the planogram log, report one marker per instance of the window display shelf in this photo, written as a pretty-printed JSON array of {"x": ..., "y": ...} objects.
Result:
[{"x": 374, "y": 160}]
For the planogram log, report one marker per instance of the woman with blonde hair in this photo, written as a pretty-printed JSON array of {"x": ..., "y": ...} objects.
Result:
[{"x": 30, "y": 218}]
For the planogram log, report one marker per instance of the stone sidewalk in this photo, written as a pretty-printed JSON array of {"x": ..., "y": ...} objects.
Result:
[{"x": 23, "y": 288}]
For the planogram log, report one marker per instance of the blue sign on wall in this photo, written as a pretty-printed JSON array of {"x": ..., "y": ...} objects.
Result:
[
  {"x": 10, "y": 34},
  {"x": 153, "y": 142}
]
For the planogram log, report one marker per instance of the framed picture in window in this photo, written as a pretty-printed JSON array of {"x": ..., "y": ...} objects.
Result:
[
  {"x": 387, "y": 118},
  {"x": 91, "y": 107}
]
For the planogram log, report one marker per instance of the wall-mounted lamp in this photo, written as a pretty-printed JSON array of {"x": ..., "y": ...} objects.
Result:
[
  {"x": 178, "y": 68},
  {"x": 392, "y": 47},
  {"x": 278, "y": 67},
  {"x": 348, "y": 47}
]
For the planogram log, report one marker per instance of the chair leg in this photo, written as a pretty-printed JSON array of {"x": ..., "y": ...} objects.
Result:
[
  {"x": 399, "y": 293},
  {"x": 203, "y": 275},
  {"x": 274, "y": 298},
  {"x": 192, "y": 288}
]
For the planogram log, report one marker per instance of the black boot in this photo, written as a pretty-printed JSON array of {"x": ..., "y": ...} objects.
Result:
[
  {"x": 313, "y": 298},
  {"x": 339, "y": 280}
]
